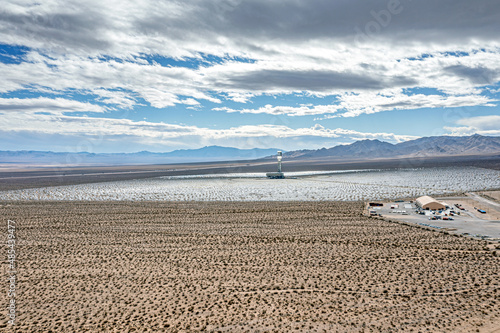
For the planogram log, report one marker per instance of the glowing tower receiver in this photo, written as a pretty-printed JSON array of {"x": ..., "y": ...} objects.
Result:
[{"x": 279, "y": 174}]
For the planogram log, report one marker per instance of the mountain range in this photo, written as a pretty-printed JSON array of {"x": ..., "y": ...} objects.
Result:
[
  {"x": 205, "y": 154},
  {"x": 437, "y": 146},
  {"x": 424, "y": 147}
]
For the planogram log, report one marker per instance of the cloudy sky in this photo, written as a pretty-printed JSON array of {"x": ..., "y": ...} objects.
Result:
[{"x": 124, "y": 76}]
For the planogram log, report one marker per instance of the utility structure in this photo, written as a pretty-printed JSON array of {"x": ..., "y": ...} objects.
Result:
[
  {"x": 279, "y": 174},
  {"x": 429, "y": 203}
]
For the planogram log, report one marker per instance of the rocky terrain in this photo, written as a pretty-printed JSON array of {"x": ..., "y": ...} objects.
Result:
[{"x": 423, "y": 147}]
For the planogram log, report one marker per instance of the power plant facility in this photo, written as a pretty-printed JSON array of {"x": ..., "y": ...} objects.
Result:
[
  {"x": 279, "y": 174},
  {"x": 427, "y": 202}
]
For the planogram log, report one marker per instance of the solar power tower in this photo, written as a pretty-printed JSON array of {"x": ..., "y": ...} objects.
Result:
[{"x": 279, "y": 174}]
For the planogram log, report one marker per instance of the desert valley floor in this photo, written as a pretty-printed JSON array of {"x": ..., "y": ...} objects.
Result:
[{"x": 243, "y": 266}]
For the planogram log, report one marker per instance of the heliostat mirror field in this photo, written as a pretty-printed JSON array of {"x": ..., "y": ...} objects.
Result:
[{"x": 304, "y": 186}]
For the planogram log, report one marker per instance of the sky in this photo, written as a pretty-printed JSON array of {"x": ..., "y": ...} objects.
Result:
[{"x": 127, "y": 76}]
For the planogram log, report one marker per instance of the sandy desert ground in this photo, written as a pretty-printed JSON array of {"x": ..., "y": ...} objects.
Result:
[
  {"x": 492, "y": 195},
  {"x": 243, "y": 267}
]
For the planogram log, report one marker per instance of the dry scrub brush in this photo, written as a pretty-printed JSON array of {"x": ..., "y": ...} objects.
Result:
[{"x": 258, "y": 266}]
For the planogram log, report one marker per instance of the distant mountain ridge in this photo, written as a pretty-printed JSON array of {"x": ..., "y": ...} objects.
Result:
[
  {"x": 437, "y": 146},
  {"x": 423, "y": 147},
  {"x": 205, "y": 154}
]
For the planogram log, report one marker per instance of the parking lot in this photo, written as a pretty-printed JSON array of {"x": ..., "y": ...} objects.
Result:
[{"x": 468, "y": 222}]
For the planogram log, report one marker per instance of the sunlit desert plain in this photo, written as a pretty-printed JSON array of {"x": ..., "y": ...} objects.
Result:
[
  {"x": 244, "y": 267},
  {"x": 304, "y": 186}
]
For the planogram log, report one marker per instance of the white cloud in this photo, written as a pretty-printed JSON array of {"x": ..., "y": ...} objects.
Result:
[
  {"x": 303, "y": 110},
  {"x": 160, "y": 86},
  {"x": 124, "y": 28},
  {"x": 296, "y": 47},
  {"x": 118, "y": 98},
  {"x": 352, "y": 105},
  {"x": 46, "y": 105},
  {"x": 484, "y": 125},
  {"x": 265, "y": 135},
  {"x": 121, "y": 82},
  {"x": 190, "y": 101},
  {"x": 244, "y": 50},
  {"x": 357, "y": 104}
]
